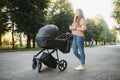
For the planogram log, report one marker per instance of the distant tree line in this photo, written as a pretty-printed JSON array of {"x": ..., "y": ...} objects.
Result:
[{"x": 97, "y": 29}]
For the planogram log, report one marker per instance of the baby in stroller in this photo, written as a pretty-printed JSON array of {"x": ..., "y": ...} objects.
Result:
[{"x": 47, "y": 39}]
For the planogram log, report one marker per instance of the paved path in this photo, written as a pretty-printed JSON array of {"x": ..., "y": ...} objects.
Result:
[{"x": 102, "y": 63}]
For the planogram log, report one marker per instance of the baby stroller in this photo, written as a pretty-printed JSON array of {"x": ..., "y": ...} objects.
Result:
[{"x": 49, "y": 42}]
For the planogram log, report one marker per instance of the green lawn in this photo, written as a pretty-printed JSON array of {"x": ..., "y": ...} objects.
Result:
[{"x": 23, "y": 48}]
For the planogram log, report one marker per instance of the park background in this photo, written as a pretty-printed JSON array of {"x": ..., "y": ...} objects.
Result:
[{"x": 20, "y": 20}]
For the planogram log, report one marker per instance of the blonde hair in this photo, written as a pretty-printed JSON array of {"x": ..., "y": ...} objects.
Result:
[
  {"x": 79, "y": 17},
  {"x": 81, "y": 13}
]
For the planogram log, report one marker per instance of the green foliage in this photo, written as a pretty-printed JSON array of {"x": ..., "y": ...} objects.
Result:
[
  {"x": 98, "y": 30},
  {"x": 113, "y": 34},
  {"x": 28, "y": 15},
  {"x": 116, "y": 10},
  {"x": 61, "y": 15},
  {"x": 102, "y": 26},
  {"x": 3, "y": 24},
  {"x": 89, "y": 33}
]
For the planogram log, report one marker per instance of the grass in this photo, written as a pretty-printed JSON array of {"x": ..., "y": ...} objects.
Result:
[{"x": 17, "y": 48}]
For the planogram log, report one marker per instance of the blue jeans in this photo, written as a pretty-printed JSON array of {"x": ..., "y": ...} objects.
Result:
[{"x": 78, "y": 48}]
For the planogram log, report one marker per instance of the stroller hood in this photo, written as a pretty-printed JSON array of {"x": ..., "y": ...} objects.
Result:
[{"x": 48, "y": 31}]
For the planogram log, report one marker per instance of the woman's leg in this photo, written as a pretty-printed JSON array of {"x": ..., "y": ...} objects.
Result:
[
  {"x": 80, "y": 43},
  {"x": 75, "y": 48}
]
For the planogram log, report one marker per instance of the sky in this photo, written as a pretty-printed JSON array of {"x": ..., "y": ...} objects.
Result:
[{"x": 92, "y": 8}]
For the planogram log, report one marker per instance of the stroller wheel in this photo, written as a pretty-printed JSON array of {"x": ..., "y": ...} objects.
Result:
[
  {"x": 34, "y": 64},
  {"x": 62, "y": 65},
  {"x": 39, "y": 66}
]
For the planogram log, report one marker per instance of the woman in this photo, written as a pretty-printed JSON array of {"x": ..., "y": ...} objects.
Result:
[{"x": 78, "y": 27}]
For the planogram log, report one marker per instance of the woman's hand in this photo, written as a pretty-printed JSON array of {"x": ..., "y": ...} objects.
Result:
[
  {"x": 67, "y": 33},
  {"x": 75, "y": 17},
  {"x": 72, "y": 27}
]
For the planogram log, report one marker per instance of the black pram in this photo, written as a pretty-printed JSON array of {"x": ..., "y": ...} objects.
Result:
[{"x": 47, "y": 40}]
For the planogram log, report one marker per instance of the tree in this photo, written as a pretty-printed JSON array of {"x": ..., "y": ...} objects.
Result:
[
  {"x": 89, "y": 32},
  {"x": 102, "y": 28},
  {"x": 3, "y": 24},
  {"x": 113, "y": 34},
  {"x": 3, "y": 20},
  {"x": 28, "y": 15},
  {"x": 33, "y": 17},
  {"x": 61, "y": 14},
  {"x": 97, "y": 29},
  {"x": 116, "y": 10}
]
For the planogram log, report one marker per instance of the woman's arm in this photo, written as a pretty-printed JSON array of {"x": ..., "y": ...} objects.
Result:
[
  {"x": 75, "y": 18},
  {"x": 73, "y": 26}
]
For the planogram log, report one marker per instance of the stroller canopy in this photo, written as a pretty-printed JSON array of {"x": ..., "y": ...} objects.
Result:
[
  {"x": 48, "y": 31},
  {"x": 46, "y": 38}
]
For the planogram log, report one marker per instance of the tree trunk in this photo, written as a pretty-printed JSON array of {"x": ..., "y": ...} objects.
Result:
[
  {"x": 21, "y": 39},
  {"x": 28, "y": 41},
  {"x": 34, "y": 42},
  {"x": 96, "y": 42},
  {"x": 13, "y": 45},
  {"x": 0, "y": 39}
]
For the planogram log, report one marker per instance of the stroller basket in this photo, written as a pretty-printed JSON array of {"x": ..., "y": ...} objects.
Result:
[{"x": 49, "y": 60}]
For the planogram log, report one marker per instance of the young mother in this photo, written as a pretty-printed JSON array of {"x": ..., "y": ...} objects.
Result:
[{"x": 78, "y": 27}]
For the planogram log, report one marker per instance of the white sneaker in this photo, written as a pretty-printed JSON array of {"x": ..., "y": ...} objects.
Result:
[{"x": 79, "y": 68}]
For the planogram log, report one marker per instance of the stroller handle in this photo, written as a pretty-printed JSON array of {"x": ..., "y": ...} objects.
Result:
[{"x": 66, "y": 36}]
